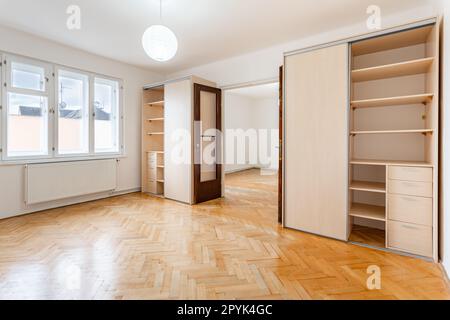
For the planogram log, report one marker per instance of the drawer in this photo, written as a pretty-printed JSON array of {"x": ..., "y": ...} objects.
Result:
[
  {"x": 151, "y": 163},
  {"x": 410, "y": 238},
  {"x": 415, "y": 210},
  {"x": 409, "y": 188},
  {"x": 152, "y": 174},
  {"x": 411, "y": 174},
  {"x": 152, "y": 186},
  {"x": 151, "y": 157}
]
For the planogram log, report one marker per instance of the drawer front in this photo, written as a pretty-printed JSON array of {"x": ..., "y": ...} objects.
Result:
[
  {"x": 419, "y": 189},
  {"x": 410, "y": 238},
  {"x": 415, "y": 210},
  {"x": 152, "y": 174},
  {"x": 151, "y": 158},
  {"x": 152, "y": 186},
  {"x": 411, "y": 174}
]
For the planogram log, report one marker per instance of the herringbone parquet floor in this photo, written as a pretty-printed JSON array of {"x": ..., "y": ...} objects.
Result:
[{"x": 138, "y": 247}]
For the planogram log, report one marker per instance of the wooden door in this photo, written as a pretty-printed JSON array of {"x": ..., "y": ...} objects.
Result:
[
  {"x": 316, "y": 141},
  {"x": 207, "y": 143},
  {"x": 280, "y": 150}
]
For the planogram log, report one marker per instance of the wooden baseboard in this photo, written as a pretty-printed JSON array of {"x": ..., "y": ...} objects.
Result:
[
  {"x": 69, "y": 202},
  {"x": 240, "y": 170},
  {"x": 444, "y": 272}
]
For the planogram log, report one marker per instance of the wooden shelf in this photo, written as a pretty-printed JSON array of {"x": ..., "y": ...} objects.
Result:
[
  {"x": 156, "y": 104},
  {"x": 155, "y": 119},
  {"x": 155, "y": 133},
  {"x": 393, "y": 101},
  {"x": 423, "y": 131},
  {"x": 368, "y": 212},
  {"x": 159, "y": 152},
  {"x": 393, "y": 70},
  {"x": 376, "y": 187},
  {"x": 368, "y": 236},
  {"x": 160, "y": 181},
  {"x": 393, "y": 41},
  {"x": 391, "y": 163}
]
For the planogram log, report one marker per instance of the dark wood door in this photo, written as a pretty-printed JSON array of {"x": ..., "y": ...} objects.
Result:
[
  {"x": 207, "y": 143},
  {"x": 280, "y": 169}
]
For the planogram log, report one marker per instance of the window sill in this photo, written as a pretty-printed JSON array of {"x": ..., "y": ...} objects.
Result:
[{"x": 59, "y": 160}]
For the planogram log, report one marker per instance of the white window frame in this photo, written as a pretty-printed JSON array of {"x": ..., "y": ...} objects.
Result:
[
  {"x": 58, "y": 69},
  {"x": 8, "y": 60},
  {"x": 119, "y": 115},
  {"x": 51, "y": 93}
]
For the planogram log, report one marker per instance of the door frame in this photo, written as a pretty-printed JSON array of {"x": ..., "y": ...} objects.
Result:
[
  {"x": 224, "y": 107},
  {"x": 198, "y": 88}
]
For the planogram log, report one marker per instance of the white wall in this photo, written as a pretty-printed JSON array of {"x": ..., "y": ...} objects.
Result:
[
  {"x": 267, "y": 118},
  {"x": 245, "y": 113},
  {"x": 264, "y": 64},
  {"x": 239, "y": 114},
  {"x": 443, "y": 8},
  {"x": 11, "y": 176}
]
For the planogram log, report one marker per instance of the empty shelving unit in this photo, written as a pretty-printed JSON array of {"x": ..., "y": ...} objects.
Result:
[
  {"x": 168, "y": 129},
  {"x": 153, "y": 141},
  {"x": 394, "y": 132}
]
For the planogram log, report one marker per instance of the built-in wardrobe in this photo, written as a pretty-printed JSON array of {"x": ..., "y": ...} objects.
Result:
[
  {"x": 362, "y": 140},
  {"x": 168, "y": 139}
]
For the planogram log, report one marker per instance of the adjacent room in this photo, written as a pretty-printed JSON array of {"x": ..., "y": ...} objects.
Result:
[
  {"x": 224, "y": 150},
  {"x": 252, "y": 117}
]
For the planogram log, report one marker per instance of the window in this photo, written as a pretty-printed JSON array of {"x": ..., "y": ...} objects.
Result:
[
  {"x": 106, "y": 110},
  {"x": 27, "y": 125},
  {"x": 73, "y": 113},
  {"x": 27, "y": 109},
  {"x": 57, "y": 112},
  {"x": 25, "y": 76}
]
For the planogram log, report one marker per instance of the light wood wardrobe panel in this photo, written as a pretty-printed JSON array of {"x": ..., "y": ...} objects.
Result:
[
  {"x": 316, "y": 152},
  {"x": 178, "y": 141}
]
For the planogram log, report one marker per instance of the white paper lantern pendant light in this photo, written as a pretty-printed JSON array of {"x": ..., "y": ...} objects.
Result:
[{"x": 159, "y": 42}]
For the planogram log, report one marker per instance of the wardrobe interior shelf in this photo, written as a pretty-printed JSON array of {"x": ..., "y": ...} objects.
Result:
[
  {"x": 368, "y": 212},
  {"x": 155, "y": 119},
  {"x": 160, "y": 167},
  {"x": 376, "y": 187},
  {"x": 156, "y": 104},
  {"x": 158, "y": 152},
  {"x": 160, "y": 181},
  {"x": 393, "y": 70},
  {"x": 423, "y": 131},
  {"x": 155, "y": 133},
  {"x": 393, "y": 101},
  {"x": 391, "y": 163},
  {"x": 393, "y": 41}
]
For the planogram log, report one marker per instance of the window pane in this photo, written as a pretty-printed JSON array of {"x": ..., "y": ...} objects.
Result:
[
  {"x": 106, "y": 105},
  {"x": 27, "y": 125},
  {"x": 73, "y": 113},
  {"x": 25, "y": 76}
]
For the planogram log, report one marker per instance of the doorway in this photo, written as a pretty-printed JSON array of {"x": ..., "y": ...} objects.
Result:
[{"x": 252, "y": 144}]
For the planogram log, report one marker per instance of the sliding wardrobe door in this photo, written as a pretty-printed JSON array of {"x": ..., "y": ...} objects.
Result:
[{"x": 316, "y": 142}]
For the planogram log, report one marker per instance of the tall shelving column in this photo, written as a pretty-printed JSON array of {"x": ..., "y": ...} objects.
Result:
[
  {"x": 153, "y": 141},
  {"x": 394, "y": 141}
]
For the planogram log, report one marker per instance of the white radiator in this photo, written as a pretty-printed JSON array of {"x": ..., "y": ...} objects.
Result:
[{"x": 55, "y": 181}]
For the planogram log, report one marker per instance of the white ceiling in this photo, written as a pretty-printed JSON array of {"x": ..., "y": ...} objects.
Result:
[
  {"x": 264, "y": 91},
  {"x": 208, "y": 30}
]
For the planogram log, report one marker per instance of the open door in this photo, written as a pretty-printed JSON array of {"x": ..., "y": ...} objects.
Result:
[
  {"x": 207, "y": 143},
  {"x": 280, "y": 167}
]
